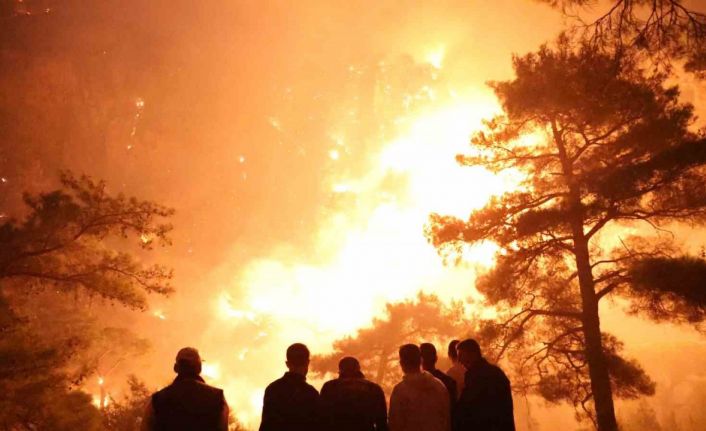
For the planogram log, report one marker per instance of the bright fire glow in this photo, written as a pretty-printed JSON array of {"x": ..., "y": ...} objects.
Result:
[
  {"x": 435, "y": 56},
  {"x": 374, "y": 251},
  {"x": 96, "y": 401},
  {"x": 211, "y": 370},
  {"x": 381, "y": 254}
]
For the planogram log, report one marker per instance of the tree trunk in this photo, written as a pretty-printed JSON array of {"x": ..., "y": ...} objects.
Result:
[
  {"x": 597, "y": 366},
  {"x": 382, "y": 366}
]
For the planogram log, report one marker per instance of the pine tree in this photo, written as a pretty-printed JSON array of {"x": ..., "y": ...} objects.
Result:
[
  {"x": 69, "y": 250},
  {"x": 603, "y": 146}
]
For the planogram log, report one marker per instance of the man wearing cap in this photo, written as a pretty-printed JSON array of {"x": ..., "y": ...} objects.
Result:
[
  {"x": 352, "y": 403},
  {"x": 187, "y": 404},
  {"x": 290, "y": 403}
]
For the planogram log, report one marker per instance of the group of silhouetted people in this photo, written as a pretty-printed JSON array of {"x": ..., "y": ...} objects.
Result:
[{"x": 473, "y": 395}]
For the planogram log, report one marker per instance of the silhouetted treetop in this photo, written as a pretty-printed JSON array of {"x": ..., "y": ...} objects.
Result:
[
  {"x": 62, "y": 242},
  {"x": 666, "y": 30}
]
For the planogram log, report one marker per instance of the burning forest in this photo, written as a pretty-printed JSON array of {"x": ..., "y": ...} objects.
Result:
[{"x": 197, "y": 197}]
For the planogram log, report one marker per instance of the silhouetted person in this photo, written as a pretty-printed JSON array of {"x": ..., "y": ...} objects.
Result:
[
  {"x": 486, "y": 401},
  {"x": 352, "y": 403},
  {"x": 291, "y": 404},
  {"x": 420, "y": 402},
  {"x": 188, "y": 404},
  {"x": 457, "y": 370},
  {"x": 429, "y": 359}
]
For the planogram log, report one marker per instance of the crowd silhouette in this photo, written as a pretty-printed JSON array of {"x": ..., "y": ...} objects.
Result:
[{"x": 473, "y": 395}]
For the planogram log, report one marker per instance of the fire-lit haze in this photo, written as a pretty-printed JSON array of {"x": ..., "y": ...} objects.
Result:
[
  {"x": 303, "y": 146},
  {"x": 366, "y": 253}
]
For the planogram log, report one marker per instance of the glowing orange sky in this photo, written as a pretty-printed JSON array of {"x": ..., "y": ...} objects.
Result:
[
  {"x": 359, "y": 241},
  {"x": 298, "y": 214}
]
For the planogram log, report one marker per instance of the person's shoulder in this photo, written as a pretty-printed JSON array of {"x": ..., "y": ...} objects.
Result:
[
  {"x": 158, "y": 394},
  {"x": 495, "y": 368},
  {"x": 438, "y": 382},
  {"x": 311, "y": 389},
  {"x": 430, "y": 379},
  {"x": 440, "y": 375},
  {"x": 275, "y": 384},
  {"x": 330, "y": 389},
  {"x": 330, "y": 385},
  {"x": 371, "y": 387},
  {"x": 371, "y": 384},
  {"x": 398, "y": 388},
  {"x": 447, "y": 379},
  {"x": 456, "y": 369},
  {"x": 164, "y": 391},
  {"x": 213, "y": 389},
  {"x": 496, "y": 371}
]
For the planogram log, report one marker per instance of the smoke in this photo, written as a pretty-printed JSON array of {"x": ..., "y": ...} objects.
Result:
[
  {"x": 312, "y": 211},
  {"x": 303, "y": 145}
]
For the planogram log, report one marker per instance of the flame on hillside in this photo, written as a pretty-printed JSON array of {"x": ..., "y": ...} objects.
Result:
[{"x": 374, "y": 249}]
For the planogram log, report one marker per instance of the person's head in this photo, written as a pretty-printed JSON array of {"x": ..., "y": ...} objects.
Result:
[
  {"x": 298, "y": 359},
  {"x": 410, "y": 358},
  {"x": 469, "y": 352},
  {"x": 349, "y": 367},
  {"x": 428, "y": 352},
  {"x": 188, "y": 362},
  {"x": 453, "y": 353}
]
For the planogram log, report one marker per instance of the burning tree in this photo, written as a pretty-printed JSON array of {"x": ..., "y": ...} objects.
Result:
[
  {"x": 603, "y": 147},
  {"x": 67, "y": 251},
  {"x": 426, "y": 319}
]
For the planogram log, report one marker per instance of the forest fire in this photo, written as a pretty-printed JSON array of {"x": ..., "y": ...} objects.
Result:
[
  {"x": 322, "y": 302},
  {"x": 239, "y": 177}
]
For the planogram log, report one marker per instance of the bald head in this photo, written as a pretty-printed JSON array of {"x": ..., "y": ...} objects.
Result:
[{"x": 188, "y": 362}]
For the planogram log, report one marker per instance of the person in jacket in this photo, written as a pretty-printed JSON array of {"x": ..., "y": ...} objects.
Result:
[
  {"x": 188, "y": 403},
  {"x": 486, "y": 401},
  {"x": 429, "y": 359},
  {"x": 352, "y": 403},
  {"x": 290, "y": 403},
  {"x": 420, "y": 402},
  {"x": 457, "y": 370}
]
